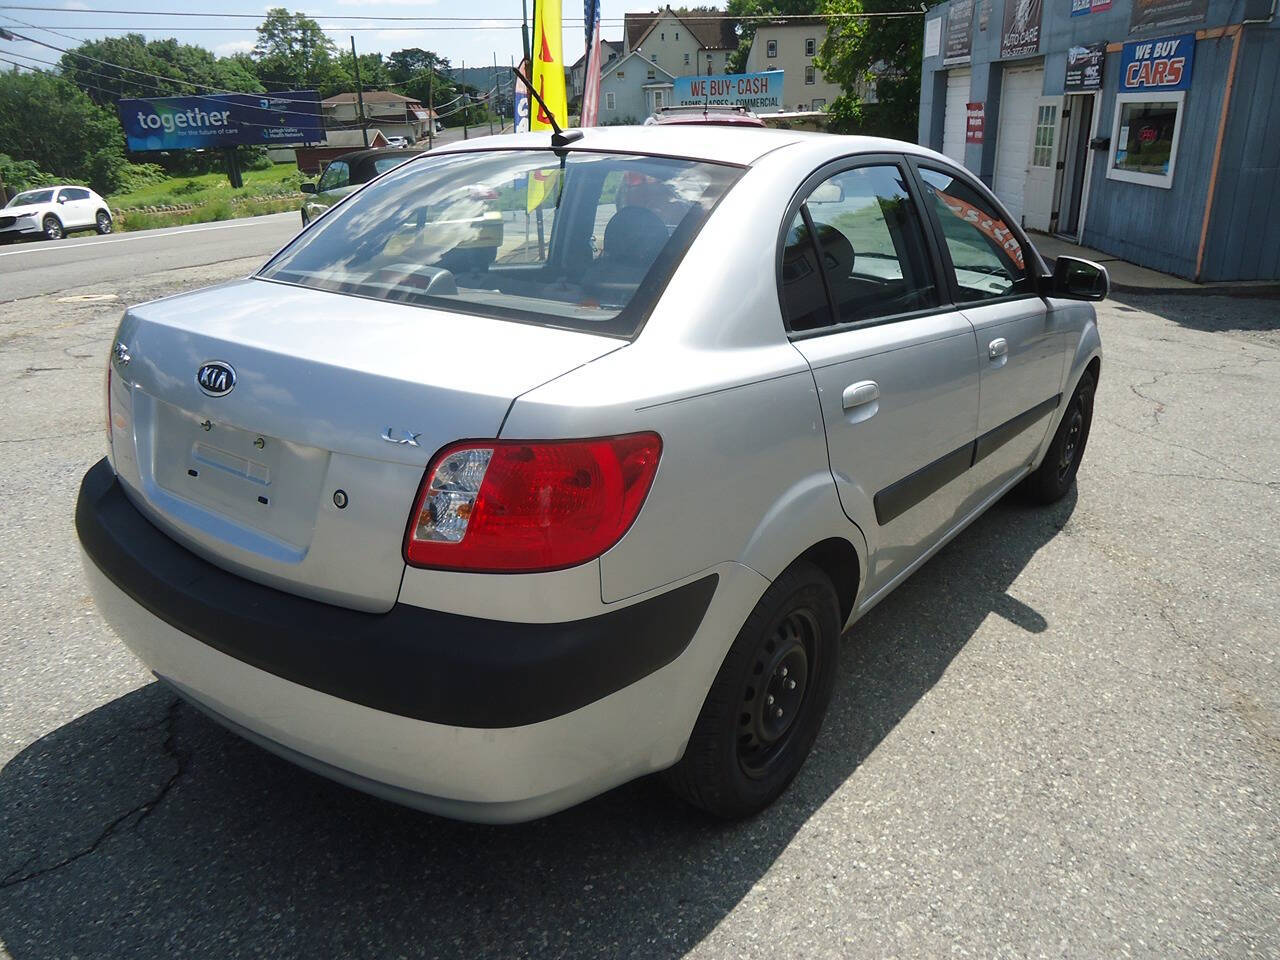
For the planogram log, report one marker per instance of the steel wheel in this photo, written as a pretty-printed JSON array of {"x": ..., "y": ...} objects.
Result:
[
  {"x": 1071, "y": 442},
  {"x": 52, "y": 228},
  {"x": 774, "y": 696}
]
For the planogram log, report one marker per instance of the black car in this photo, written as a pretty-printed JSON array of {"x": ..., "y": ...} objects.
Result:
[{"x": 345, "y": 174}]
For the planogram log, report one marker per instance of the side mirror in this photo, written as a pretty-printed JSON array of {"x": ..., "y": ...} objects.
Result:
[
  {"x": 62, "y": 199},
  {"x": 308, "y": 187},
  {"x": 1077, "y": 279}
]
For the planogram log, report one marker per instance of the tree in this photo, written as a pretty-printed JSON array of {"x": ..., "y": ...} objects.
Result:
[
  {"x": 884, "y": 51},
  {"x": 374, "y": 74},
  {"x": 51, "y": 123},
  {"x": 413, "y": 70},
  {"x": 293, "y": 52}
]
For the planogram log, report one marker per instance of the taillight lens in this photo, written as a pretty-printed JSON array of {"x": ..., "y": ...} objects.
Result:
[{"x": 505, "y": 506}]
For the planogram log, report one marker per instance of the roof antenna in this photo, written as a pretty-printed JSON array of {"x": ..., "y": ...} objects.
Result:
[{"x": 559, "y": 138}]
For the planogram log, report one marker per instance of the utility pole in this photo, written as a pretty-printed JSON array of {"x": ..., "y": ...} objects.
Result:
[
  {"x": 364, "y": 127},
  {"x": 431, "y": 107},
  {"x": 466, "y": 101},
  {"x": 493, "y": 92}
]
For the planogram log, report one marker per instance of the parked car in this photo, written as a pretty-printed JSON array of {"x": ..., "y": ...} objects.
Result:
[
  {"x": 489, "y": 536},
  {"x": 397, "y": 142},
  {"x": 716, "y": 115},
  {"x": 346, "y": 173},
  {"x": 53, "y": 212}
]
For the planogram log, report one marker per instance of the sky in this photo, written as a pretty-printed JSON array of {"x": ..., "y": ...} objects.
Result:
[{"x": 486, "y": 31}]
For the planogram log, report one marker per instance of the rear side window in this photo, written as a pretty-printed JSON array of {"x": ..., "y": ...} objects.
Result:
[
  {"x": 987, "y": 258},
  {"x": 587, "y": 241},
  {"x": 382, "y": 164},
  {"x": 864, "y": 230}
]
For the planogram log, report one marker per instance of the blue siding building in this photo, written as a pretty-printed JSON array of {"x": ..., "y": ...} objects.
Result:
[{"x": 1149, "y": 129}]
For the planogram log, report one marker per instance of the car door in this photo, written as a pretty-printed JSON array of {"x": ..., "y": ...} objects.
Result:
[
  {"x": 334, "y": 184},
  {"x": 894, "y": 362},
  {"x": 72, "y": 204},
  {"x": 992, "y": 271}
]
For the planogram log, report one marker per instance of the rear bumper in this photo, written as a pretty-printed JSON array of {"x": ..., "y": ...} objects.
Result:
[{"x": 470, "y": 718}]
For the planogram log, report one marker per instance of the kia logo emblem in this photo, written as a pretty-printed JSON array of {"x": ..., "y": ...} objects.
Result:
[{"x": 216, "y": 378}]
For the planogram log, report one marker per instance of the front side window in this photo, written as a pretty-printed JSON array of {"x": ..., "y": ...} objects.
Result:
[
  {"x": 586, "y": 242},
  {"x": 865, "y": 235},
  {"x": 1145, "y": 138},
  {"x": 336, "y": 174},
  {"x": 988, "y": 260}
]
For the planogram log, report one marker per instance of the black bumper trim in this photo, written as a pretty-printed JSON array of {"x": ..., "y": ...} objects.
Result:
[{"x": 423, "y": 664}]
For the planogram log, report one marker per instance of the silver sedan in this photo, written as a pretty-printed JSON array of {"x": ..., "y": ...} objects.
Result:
[{"x": 532, "y": 469}]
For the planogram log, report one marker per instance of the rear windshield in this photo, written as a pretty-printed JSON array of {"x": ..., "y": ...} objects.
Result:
[{"x": 587, "y": 241}]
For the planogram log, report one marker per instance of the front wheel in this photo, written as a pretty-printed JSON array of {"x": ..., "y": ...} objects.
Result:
[
  {"x": 765, "y": 708},
  {"x": 1053, "y": 478},
  {"x": 52, "y": 228},
  {"x": 102, "y": 223}
]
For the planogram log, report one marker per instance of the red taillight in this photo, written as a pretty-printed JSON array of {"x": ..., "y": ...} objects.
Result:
[{"x": 506, "y": 506}]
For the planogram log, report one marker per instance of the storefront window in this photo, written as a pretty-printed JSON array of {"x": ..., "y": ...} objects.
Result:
[{"x": 1144, "y": 140}]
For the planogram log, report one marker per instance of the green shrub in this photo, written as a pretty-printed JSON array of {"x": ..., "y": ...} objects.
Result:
[{"x": 186, "y": 188}]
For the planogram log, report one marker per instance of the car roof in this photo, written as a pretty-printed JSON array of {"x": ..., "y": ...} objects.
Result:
[
  {"x": 694, "y": 141},
  {"x": 359, "y": 156}
]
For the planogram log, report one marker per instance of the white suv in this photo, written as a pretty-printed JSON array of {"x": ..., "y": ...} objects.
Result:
[{"x": 53, "y": 212}]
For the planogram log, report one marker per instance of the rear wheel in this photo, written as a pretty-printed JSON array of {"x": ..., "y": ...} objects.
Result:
[
  {"x": 766, "y": 706},
  {"x": 52, "y": 228},
  {"x": 102, "y": 222},
  {"x": 1057, "y": 472}
]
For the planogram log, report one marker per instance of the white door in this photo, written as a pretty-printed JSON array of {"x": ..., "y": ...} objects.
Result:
[
  {"x": 954, "y": 113},
  {"x": 1020, "y": 93},
  {"x": 1042, "y": 171}
]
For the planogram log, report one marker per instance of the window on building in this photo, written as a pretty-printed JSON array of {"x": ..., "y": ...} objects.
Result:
[
  {"x": 610, "y": 101},
  {"x": 686, "y": 58},
  {"x": 663, "y": 36},
  {"x": 810, "y": 46},
  {"x": 810, "y": 75},
  {"x": 1046, "y": 133},
  {"x": 652, "y": 74},
  {"x": 987, "y": 258},
  {"x": 820, "y": 103},
  {"x": 870, "y": 246},
  {"x": 657, "y": 99},
  {"x": 1144, "y": 137},
  {"x": 677, "y": 34},
  {"x": 771, "y": 48},
  {"x": 653, "y": 58}
]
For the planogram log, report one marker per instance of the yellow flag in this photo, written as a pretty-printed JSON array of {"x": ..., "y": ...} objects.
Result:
[{"x": 548, "y": 66}]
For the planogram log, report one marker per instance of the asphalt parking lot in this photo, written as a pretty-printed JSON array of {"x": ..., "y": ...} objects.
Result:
[{"x": 1060, "y": 738}]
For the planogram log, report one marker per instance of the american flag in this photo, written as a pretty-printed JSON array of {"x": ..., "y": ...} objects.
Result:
[{"x": 591, "y": 69}]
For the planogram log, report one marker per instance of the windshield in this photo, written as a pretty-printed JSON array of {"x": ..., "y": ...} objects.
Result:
[
  {"x": 587, "y": 241},
  {"x": 31, "y": 196}
]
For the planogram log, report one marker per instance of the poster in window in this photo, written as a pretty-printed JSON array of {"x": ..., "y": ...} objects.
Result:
[
  {"x": 959, "y": 43},
  {"x": 1020, "y": 36},
  {"x": 932, "y": 37},
  {"x": 1084, "y": 67},
  {"x": 1157, "y": 14},
  {"x": 1145, "y": 141}
]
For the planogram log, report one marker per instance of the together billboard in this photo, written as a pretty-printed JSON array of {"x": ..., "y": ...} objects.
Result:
[{"x": 281, "y": 118}]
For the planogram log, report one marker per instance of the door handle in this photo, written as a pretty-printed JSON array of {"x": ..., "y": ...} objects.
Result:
[
  {"x": 998, "y": 348},
  {"x": 860, "y": 393}
]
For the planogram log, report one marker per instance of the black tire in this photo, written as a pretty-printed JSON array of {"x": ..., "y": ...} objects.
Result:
[
  {"x": 102, "y": 222},
  {"x": 766, "y": 706},
  {"x": 53, "y": 228},
  {"x": 1055, "y": 475}
]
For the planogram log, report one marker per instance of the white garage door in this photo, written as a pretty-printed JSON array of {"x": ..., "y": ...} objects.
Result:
[
  {"x": 953, "y": 117},
  {"x": 1019, "y": 95}
]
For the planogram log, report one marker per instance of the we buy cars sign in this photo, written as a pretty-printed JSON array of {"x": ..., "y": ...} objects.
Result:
[{"x": 1160, "y": 64}]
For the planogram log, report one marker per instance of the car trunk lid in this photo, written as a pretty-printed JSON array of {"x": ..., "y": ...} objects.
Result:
[{"x": 302, "y": 473}]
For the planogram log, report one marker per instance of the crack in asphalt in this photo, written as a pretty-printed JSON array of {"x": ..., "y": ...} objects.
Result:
[{"x": 138, "y": 813}]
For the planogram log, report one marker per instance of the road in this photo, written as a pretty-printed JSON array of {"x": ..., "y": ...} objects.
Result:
[
  {"x": 37, "y": 268},
  {"x": 1061, "y": 737}
]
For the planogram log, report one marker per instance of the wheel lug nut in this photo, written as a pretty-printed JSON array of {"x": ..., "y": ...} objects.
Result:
[
  {"x": 784, "y": 671},
  {"x": 769, "y": 699},
  {"x": 778, "y": 712},
  {"x": 791, "y": 684}
]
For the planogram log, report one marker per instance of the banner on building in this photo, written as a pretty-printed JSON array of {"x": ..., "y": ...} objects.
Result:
[
  {"x": 975, "y": 121},
  {"x": 1080, "y": 7},
  {"x": 1158, "y": 14},
  {"x": 1084, "y": 67},
  {"x": 1163, "y": 63},
  {"x": 932, "y": 37},
  {"x": 1020, "y": 35},
  {"x": 281, "y": 118},
  {"x": 959, "y": 44},
  {"x": 761, "y": 92}
]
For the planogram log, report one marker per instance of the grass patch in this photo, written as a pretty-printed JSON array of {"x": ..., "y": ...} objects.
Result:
[
  {"x": 219, "y": 209},
  {"x": 277, "y": 180}
]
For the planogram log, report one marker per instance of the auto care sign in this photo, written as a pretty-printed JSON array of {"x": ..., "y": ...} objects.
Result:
[
  {"x": 1160, "y": 64},
  {"x": 975, "y": 121},
  {"x": 760, "y": 92},
  {"x": 1020, "y": 36}
]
